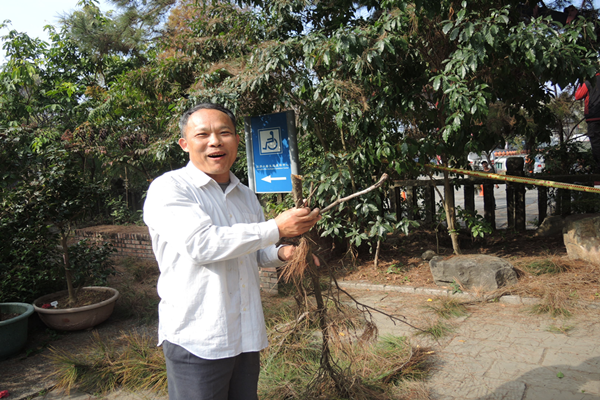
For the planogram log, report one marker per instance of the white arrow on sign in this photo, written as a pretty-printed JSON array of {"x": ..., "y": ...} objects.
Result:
[{"x": 268, "y": 178}]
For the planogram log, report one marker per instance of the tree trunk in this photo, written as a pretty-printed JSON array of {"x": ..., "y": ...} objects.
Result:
[
  {"x": 451, "y": 213},
  {"x": 67, "y": 264}
]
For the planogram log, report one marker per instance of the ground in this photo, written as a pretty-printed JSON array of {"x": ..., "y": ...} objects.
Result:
[
  {"x": 542, "y": 264},
  {"x": 400, "y": 262}
]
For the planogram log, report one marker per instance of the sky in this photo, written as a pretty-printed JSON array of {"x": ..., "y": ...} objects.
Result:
[{"x": 31, "y": 16}]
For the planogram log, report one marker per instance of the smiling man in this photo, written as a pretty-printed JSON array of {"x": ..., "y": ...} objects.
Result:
[{"x": 209, "y": 237}]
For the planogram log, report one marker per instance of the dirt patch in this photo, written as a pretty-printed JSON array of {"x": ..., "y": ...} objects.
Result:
[
  {"x": 84, "y": 298},
  {"x": 7, "y": 316},
  {"x": 400, "y": 263}
]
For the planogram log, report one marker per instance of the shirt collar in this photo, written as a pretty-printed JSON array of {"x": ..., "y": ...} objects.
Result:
[{"x": 200, "y": 179}]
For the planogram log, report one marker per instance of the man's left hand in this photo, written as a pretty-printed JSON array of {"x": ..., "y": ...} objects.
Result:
[{"x": 285, "y": 253}]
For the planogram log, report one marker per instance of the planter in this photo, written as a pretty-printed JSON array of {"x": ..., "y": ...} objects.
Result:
[
  {"x": 73, "y": 319},
  {"x": 13, "y": 332}
]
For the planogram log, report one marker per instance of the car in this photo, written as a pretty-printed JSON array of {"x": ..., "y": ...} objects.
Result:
[{"x": 538, "y": 164}]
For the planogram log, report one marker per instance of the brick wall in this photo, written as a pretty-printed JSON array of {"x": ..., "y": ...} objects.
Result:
[{"x": 134, "y": 241}]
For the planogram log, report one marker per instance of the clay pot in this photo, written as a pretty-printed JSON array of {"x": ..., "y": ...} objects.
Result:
[{"x": 77, "y": 318}]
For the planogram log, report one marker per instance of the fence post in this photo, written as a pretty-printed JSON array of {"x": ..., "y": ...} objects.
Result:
[
  {"x": 515, "y": 194},
  {"x": 411, "y": 203},
  {"x": 429, "y": 203},
  {"x": 542, "y": 203},
  {"x": 397, "y": 201},
  {"x": 469, "y": 194},
  {"x": 489, "y": 203}
]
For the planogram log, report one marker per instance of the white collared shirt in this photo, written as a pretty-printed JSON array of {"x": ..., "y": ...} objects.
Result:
[{"x": 209, "y": 245}]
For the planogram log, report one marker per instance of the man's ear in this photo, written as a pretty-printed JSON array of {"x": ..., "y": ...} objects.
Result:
[
  {"x": 184, "y": 146},
  {"x": 238, "y": 138}
]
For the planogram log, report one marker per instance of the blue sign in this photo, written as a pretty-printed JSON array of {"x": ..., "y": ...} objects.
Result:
[{"x": 272, "y": 167}]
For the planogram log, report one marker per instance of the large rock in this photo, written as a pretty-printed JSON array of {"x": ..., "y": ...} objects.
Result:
[
  {"x": 581, "y": 234},
  {"x": 551, "y": 226},
  {"x": 473, "y": 271}
]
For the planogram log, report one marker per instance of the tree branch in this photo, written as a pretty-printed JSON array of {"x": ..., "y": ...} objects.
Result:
[{"x": 367, "y": 190}]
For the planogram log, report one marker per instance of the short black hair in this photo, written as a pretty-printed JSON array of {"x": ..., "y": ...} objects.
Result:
[{"x": 209, "y": 106}]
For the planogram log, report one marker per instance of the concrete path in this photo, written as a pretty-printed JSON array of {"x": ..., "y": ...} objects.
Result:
[{"x": 498, "y": 351}]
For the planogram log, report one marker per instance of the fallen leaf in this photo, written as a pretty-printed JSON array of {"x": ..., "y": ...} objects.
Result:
[{"x": 560, "y": 375}]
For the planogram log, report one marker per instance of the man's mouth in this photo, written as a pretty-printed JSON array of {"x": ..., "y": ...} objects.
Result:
[{"x": 216, "y": 155}]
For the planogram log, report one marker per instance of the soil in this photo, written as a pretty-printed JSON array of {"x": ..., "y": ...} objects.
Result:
[
  {"x": 400, "y": 262},
  {"x": 7, "y": 316},
  {"x": 84, "y": 298}
]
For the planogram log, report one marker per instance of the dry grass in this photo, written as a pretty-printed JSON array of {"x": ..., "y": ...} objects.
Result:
[
  {"x": 559, "y": 283},
  {"x": 447, "y": 307},
  {"x": 386, "y": 369},
  {"x": 131, "y": 361}
]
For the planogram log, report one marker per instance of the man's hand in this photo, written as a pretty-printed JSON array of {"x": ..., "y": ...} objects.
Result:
[
  {"x": 296, "y": 221},
  {"x": 285, "y": 253}
]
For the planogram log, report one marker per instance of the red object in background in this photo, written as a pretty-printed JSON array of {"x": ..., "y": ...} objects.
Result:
[
  {"x": 43, "y": 306},
  {"x": 4, "y": 394}
]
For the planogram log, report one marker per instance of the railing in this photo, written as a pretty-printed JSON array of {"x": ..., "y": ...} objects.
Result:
[{"x": 405, "y": 197}]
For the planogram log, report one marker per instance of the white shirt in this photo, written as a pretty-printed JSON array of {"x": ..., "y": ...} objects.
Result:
[{"x": 209, "y": 245}]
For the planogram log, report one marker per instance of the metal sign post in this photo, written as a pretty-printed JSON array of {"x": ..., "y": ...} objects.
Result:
[{"x": 272, "y": 152}]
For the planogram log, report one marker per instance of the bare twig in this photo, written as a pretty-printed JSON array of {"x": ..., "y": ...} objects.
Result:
[{"x": 367, "y": 190}]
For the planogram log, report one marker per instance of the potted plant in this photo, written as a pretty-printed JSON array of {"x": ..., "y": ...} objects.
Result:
[
  {"x": 80, "y": 306},
  {"x": 57, "y": 194},
  {"x": 14, "y": 319}
]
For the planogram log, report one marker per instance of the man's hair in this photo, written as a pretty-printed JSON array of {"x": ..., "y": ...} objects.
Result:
[
  {"x": 484, "y": 162},
  {"x": 202, "y": 106}
]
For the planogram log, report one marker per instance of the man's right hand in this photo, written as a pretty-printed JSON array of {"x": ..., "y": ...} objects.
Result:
[{"x": 296, "y": 221}]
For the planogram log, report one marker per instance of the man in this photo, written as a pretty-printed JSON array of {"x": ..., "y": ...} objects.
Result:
[
  {"x": 209, "y": 236},
  {"x": 591, "y": 94}
]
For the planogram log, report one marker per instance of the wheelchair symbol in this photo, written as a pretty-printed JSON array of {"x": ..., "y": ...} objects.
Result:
[{"x": 271, "y": 143}]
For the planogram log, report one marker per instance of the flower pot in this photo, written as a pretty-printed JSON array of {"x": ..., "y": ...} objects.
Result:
[
  {"x": 13, "y": 332},
  {"x": 77, "y": 318}
]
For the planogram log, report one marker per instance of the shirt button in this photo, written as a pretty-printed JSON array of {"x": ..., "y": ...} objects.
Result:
[
  {"x": 244, "y": 309},
  {"x": 243, "y": 285}
]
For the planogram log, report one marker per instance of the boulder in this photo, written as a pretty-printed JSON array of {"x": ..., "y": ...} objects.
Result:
[
  {"x": 428, "y": 255},
  {"x": 581, "y": 234},
  {"x": 551, "y": 226},
  {"x": 473, "y": 271}
]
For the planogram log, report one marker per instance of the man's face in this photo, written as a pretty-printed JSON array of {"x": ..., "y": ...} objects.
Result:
[{"x": 212, "y": 143}]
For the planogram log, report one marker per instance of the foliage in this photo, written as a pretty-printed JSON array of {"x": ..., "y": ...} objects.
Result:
[
  {"x": 91, "y": 264},
  {"x": 475, "y": 222},
  {"x": 374, "y": 86}
]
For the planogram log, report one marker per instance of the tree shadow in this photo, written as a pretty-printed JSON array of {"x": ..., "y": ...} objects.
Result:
[{"x": 554, "y": 382}]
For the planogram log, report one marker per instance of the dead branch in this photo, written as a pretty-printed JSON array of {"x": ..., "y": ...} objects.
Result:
[{"x": 367, "y": 190}]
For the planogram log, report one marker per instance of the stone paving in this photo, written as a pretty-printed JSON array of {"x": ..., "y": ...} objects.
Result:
[
  {"x": 498, "y": 351},
  {"x": 501, "y": 350}
]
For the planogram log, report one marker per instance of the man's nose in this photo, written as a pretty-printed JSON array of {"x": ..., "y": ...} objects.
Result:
[{"x": 215, "y": 140}]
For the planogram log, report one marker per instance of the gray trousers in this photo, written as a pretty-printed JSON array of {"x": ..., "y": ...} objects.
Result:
[{"x": 194, "y": 378}]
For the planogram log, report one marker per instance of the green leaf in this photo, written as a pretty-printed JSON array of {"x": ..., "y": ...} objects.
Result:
[
  {"x": 436, "y": 83},
  {"x": 560, "y": 375},
  {"x": 447, "y": 27}
]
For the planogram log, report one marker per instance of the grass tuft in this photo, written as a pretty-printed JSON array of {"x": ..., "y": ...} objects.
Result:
[
  {"x": 447, "y": 308},
  {"x": 554, "y": 303},
  {"x": 564, "y": 329},
  {"x": 544, "y": 266},
  {"x": 131, "y": 361},
  {"x": 437, "y": 330}
]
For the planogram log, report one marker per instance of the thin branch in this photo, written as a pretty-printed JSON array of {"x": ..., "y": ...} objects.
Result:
[{"x": 367, "y": 190}]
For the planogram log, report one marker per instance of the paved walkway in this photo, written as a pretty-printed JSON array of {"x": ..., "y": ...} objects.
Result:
[{"x": 498, "y": 351}]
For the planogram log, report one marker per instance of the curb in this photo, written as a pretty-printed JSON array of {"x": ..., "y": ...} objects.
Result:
[{"x": 506, "y": 299}]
